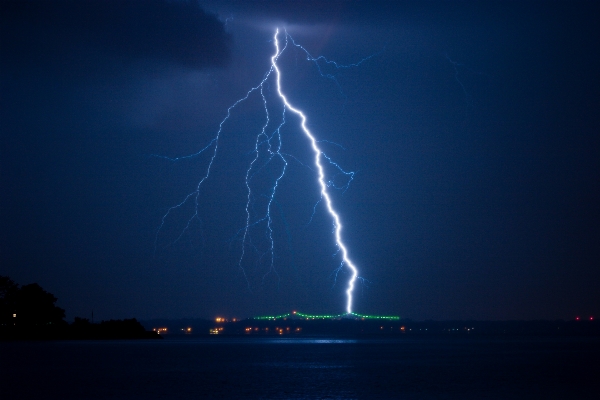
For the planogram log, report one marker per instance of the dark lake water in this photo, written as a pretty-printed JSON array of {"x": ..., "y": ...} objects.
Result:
[{"x": 300, "y": 368}]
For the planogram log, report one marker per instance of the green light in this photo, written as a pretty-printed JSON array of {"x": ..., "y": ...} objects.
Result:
[
  {"x": 318, "y": 316},
  {"x": 273, "y": 317},
  {"x": 389, "y": 317},
  {"x": 336, "y": 316}
]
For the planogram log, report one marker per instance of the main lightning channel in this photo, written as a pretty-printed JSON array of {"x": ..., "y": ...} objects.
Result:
[
  {"x": 346, "y": 261},
  {"x": 269, "y": 139}
]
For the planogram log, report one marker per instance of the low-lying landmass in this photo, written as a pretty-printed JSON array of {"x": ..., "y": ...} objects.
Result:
[
  {"x": 81, "y": 329},
  {"x": 30, "y": 313},
  {"x": 297, "y": 324}
]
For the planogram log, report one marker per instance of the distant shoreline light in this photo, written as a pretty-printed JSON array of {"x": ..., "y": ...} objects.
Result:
[{"x": 334, "y": 316}]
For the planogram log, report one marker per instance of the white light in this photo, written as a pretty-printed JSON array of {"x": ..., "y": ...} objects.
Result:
[{"x": 324, "y": 193}]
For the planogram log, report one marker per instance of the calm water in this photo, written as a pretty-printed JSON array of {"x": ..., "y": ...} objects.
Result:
[{"x": 405, "y": 368}]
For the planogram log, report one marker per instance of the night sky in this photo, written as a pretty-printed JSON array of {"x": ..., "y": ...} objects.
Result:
[{"x": 473, "y": 132}]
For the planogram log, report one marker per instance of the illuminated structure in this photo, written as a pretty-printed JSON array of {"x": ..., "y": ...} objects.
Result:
[{"x": 351, "y": 315}]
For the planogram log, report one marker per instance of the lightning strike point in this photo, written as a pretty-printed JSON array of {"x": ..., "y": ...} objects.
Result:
[
  {"x": 267, "y": 152},
  {"x": 324, "y": 193}
]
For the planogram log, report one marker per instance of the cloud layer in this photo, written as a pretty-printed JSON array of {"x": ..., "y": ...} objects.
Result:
[{"x": 63, "y": 31}]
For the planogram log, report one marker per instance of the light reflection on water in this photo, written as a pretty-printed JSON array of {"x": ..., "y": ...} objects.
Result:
[
  {"x": 309, "y": 341},
  {"x": 311, "y": 365},
  {"x": 301, "y": 368},
  {"x": 254, "y": 340}
]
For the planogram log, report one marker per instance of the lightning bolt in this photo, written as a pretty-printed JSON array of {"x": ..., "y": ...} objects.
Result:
[
  {"x": 324, "y": 193},
  {"x": 268, "y": 152}
]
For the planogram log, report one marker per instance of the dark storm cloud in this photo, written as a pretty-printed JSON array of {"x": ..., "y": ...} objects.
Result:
[{"x": 64, "y": 33}]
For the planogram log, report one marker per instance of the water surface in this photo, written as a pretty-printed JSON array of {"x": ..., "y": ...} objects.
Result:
[{"x": 299, "y": 368}]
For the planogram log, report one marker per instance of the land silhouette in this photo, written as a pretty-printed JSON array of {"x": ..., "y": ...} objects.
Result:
[
  {"x": 30, "y": 313},
  {"x": 372, "y": 327}
]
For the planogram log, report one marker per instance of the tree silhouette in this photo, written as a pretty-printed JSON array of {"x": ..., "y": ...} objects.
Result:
[
  {"x": 8, "y": 291},
  {"x": 28, "y": 309},
  {"x": 36, "y": 307},
  {"x": 29, "y": 312}
]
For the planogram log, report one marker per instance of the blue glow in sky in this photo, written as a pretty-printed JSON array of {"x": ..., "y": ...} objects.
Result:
[{"x": 472, "y": 138}]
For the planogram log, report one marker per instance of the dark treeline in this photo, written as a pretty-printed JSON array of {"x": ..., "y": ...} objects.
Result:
[
  {"x": 82, "y": 328},
  {"x": 29, "y": 312}
]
